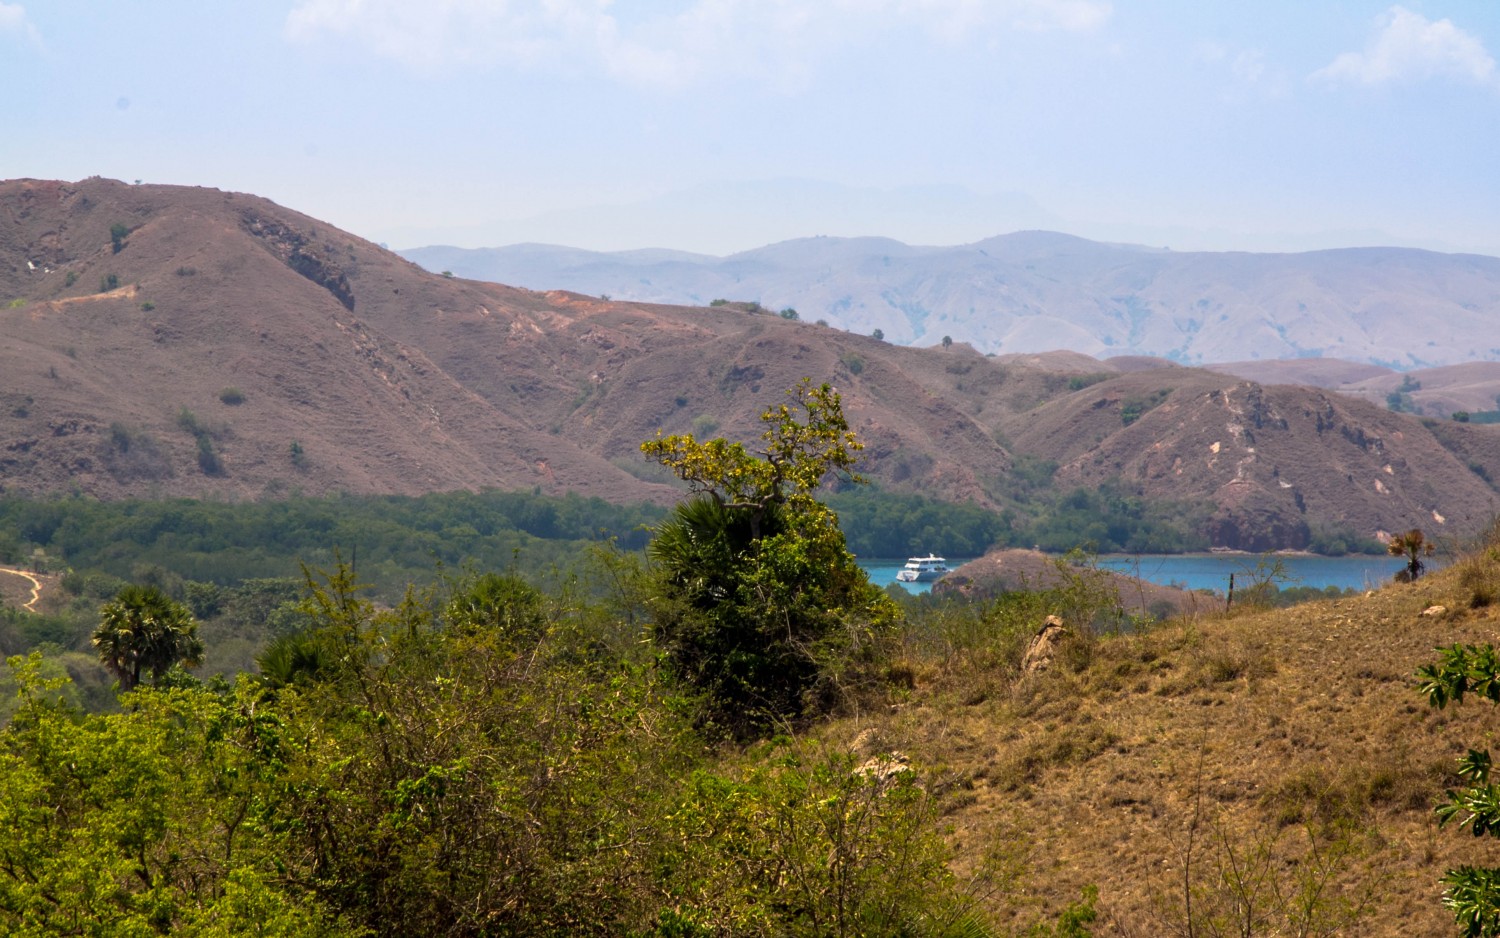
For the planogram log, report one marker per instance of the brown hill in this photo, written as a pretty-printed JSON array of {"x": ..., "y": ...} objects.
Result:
[
  {"x": 1437, "y": 392},
  {"x": 1278, "y": 461},
  {"x": 1315, "y": 372},
  {"x": 1001, "y": 571},
  {"x": 162, "y": 340},
  {"x": 121, "y": 357}
]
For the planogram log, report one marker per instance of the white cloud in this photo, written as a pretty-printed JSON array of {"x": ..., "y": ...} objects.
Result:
[
  {"x": 1408, "y": 46},
  {"x": 744, "y": 37},
  {"x": 13, "y": 20}
]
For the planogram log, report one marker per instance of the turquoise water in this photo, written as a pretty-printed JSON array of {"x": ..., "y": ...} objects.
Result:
[
  {"x": 883, "y": 572},
  {"x": 1211, "y": 571},
  {"x": 1207, "y": 571}
]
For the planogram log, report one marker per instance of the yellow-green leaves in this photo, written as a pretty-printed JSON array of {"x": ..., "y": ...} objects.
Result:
[{"x": 804, "y": 441}]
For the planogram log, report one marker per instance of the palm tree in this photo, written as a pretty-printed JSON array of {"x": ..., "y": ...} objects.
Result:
[
  {"x": 1412, "y": 545},
  {"x": 142, "y": 629}
]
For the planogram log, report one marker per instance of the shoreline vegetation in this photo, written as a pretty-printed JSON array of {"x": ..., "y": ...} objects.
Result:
[{"x": 404, "y": 535}]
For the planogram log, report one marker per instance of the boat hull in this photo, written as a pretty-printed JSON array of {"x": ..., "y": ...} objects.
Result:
[{"x": 923, "y": 570}]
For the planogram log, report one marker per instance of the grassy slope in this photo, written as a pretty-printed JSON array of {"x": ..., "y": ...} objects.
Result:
[{"x": 1265, "y": 720}]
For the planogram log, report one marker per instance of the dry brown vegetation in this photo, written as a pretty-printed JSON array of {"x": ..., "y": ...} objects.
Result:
[{"x": 1279, "y": 761}]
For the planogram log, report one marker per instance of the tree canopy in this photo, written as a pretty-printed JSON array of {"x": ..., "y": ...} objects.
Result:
[
  {"x": 143, "y": 630},
  {"x": 758, "y": 604},
  {"x": 804, "y": 441}
]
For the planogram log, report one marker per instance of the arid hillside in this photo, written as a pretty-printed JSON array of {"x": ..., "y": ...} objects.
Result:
[
  {"x": 1276, "y": 460},
  {"x": 160, "y": 340},
  {"x": 1279, "y": 759},
  {"x": 1431, "y": 392}
]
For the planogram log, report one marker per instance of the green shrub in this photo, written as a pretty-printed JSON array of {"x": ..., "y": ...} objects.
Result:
[
  {"x": 208, "y": 460},
  {"x": 1079, "y": 382},
  {"x": 703, "y": 425}
]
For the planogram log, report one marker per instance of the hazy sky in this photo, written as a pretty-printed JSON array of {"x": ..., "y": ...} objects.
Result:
[{"x": 717, "y": 125}]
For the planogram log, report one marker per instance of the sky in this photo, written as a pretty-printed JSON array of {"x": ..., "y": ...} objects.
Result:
[{"x": 721, "y": 125}]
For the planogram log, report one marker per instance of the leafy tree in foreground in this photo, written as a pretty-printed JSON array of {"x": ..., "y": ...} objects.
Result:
[
  {"x": 143, "y": 629},
  {"x": 1472, "y": 893},
  {"x": 760, "y": 605}
]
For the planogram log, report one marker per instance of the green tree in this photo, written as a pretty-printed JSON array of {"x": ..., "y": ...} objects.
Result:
[
  {"x": 145, "y": 822},
  {"x": 144, "y": 630},
  {"x": 117, "y": 233},
  {"x": 878, "y": 335},
  {"x": 760, "y": 605},
  {"x": 1413, "y": 546},
  {"x": 1471, "y": 893}
]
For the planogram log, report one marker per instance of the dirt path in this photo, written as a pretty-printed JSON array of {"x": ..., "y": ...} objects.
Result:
[{"x": 36, "y": 587}]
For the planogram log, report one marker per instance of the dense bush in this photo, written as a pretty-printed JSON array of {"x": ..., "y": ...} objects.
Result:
[{"x": 473, "y": 760}]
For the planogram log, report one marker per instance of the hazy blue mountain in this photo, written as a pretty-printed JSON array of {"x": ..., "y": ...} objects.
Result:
[{"x": 1035, "y": 290}]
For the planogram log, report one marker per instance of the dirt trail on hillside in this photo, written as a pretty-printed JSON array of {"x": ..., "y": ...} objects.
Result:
[{"x": 36, "y": 587}]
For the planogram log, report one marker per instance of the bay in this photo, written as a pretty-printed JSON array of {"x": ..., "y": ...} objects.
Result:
[{"x": 1209, "y": 571}]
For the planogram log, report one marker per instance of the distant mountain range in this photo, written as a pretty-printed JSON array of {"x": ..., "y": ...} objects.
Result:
[
  {"x": 1035, "y": 291},
  {"x": 169, "y": 341}
]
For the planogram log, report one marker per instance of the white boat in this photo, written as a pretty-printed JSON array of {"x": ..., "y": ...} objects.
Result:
[{"x": 923, "y": 569}]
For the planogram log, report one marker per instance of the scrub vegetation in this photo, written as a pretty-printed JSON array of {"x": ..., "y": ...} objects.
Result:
[{"x": 731, "y": 732}]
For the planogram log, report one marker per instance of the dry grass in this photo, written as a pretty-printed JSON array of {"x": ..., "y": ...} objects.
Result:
[{"x": 1293, "y": 732}]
